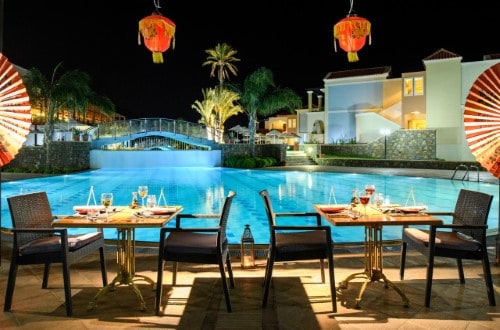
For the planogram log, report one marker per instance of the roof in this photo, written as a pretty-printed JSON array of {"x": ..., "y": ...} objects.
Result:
[
  {"x": 359, "y": 72},
  {"x": 492, "y": 56},
  {"x": 441, "y": 54}
]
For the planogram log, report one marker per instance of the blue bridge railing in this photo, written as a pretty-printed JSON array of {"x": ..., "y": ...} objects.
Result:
[{"x": 116, "y": 131}]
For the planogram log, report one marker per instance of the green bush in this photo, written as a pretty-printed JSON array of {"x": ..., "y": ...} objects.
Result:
[{"x": 249, "y": 162}]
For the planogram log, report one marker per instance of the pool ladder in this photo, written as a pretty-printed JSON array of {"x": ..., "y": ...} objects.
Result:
[{"x": 466, "y": 173}]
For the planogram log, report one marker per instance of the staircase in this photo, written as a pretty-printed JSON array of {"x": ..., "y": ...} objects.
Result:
[{"x": 294, "y": 158}]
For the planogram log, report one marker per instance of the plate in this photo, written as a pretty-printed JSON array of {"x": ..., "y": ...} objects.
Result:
[
  {"x": 411, "y": 209},
  {"x": 333, "y": 208},
  {"x": 83, "y": 209},
  {"x": 162, "y": 210}
]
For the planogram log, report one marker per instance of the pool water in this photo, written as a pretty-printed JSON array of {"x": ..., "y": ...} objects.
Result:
[{"x": 202, "y": 190}]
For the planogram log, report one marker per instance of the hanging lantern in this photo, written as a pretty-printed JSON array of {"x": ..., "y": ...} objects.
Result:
[
  {"x": 157, "y": 32},
  {"x": 351, "y": 33},
  {"x": 247, "y": 249}
]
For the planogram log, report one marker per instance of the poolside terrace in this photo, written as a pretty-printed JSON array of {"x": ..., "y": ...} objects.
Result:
[{"x": 298, "y": 299}]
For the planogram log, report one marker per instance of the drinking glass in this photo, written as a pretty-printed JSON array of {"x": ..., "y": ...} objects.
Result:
[
  {"x": 92, "y": 214},
  {"x": 143, "y": 192},
  {"x": 106, "y": 201},
  {"x": 151, "y": 201},
  {"x": 370, "y": 189},
  {"x": 378, "y": 199},
  {"x": 365, "y": 199}
]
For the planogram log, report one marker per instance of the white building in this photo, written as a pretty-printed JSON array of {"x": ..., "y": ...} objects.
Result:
[{"x": 366, "y": 104}]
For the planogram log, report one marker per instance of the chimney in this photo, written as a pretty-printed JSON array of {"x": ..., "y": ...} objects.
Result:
[
  {"x": 309, "y": 100},
  {"x": 320, "y": 102}
]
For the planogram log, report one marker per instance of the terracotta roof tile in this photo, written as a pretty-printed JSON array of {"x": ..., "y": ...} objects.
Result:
[
  {"x": 491, "y": 56},
  {"x": 441, "y": 54},
  {"x": 359, "y": 72}
]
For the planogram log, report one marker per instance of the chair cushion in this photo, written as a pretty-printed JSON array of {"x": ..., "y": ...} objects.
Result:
[
  {"x": 300, "y": 241},
  {"x": 53, "y": 243},
  {"x": 444, "y": 239},
  {"x": 191, "y": 243}
]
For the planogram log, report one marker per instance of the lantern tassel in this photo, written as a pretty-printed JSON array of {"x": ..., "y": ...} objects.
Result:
[
  {"x": 157, "y": 57},
  {"x": 352, "y": 56}
]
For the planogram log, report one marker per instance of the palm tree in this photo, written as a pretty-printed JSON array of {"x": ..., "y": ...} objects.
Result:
[
  {"x": 261, "y": 98},
  {"x": 69, "y": 91},
  {"x": 216, "y": 107},
  {"x": 205, "y": 108},
  {"x": 221, "y": 59},
  {"x": 226, "y": 107}
]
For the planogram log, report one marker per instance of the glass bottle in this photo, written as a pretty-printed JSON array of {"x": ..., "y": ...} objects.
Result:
[
  {"x": 354, "y": 198},
  {"x": 135, "y": 203}
]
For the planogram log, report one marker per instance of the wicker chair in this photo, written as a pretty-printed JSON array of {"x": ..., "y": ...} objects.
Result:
[
  {"x": 465, "y": 238},
  {"x": 288, "y": 243},
  {"x": 205, "y": 245},
  {"x": 36, "y": 242}
]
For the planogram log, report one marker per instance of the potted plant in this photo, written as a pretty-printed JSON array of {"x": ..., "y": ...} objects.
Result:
[
  {"x": 85, "y": 135},
  {"x": 76, "y": 134}
]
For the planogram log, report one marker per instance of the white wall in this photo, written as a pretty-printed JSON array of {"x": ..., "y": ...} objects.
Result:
[{"x": 121, "y": 159}]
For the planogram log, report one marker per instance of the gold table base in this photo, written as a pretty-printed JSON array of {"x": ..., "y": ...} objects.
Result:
[
  {"x": 373, "y": 265},
  {"x": 125, "y": 263}
]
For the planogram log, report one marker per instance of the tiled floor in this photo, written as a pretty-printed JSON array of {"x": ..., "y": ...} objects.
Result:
[{"x": 298, "y": 299}]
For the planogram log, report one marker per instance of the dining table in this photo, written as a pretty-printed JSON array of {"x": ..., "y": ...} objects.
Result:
[
  {"x": 126, "y": 220},
  {"x": 373, "y": 219}
]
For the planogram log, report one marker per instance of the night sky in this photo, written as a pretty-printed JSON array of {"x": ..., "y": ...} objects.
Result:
[{"x": 295, "y": 41}]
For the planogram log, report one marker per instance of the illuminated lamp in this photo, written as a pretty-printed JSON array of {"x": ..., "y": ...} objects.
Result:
[
  {"x": 158, "y": 32},
  {"x": 351, "y": 33}
]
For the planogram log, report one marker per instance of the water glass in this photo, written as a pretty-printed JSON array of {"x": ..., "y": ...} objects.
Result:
[
  {"x": 151, "y": 201},
  {"x": 92, "y": 214}
]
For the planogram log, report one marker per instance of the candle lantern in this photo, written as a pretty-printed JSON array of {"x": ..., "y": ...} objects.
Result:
[{"x": 247, "y": 249}]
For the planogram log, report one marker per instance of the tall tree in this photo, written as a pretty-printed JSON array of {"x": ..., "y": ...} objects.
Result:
[
  {"x": 216, "y": 107},
  {"x": 260, "y": 97},
  {"x": 220, "y": 59},
  {"x": 226, "y": 107},
  {"x": 69, "y": 91},
  {"x": 205, "y": 108}
]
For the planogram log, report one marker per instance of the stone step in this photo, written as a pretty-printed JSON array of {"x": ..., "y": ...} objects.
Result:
[{"x": 298, "y": 158}]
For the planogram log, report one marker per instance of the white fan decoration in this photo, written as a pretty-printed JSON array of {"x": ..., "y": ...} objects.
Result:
[
  {"x": 15, "y": 111},
  {"x": 482, "y": 119}
]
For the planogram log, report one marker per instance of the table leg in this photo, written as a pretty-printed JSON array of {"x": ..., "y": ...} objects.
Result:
[
  {"x": 373, "y": 265},
  {"x": 125, "y": 264}
]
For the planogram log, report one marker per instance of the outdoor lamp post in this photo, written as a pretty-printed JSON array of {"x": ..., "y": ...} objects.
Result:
[{"x": 385, "y": 132}]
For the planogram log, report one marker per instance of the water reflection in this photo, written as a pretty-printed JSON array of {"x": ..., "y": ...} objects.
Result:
[{"x": 202, "y": 190}]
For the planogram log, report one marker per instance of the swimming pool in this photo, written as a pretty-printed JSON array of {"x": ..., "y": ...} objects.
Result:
[{"x": 202, "y": 190}]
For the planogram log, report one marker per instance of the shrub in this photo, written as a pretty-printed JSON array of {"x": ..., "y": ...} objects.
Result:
[{"x": 249, "y": 162}]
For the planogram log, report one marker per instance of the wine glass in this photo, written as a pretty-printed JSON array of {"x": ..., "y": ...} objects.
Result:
[
  {"x": 143, "y": 192},
  {"x": 365, "y": 199},
  {"x": 370, "y": 189},
  {"x": 106, "y": 201}
]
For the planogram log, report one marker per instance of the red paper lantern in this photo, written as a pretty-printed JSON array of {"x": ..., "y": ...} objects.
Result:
[
  {"x": 157, "y": 32},
  {"x": 351, "y": 33}
]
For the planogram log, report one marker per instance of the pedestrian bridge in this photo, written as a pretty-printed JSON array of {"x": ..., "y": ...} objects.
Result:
[{"x": 151, "y": 134}]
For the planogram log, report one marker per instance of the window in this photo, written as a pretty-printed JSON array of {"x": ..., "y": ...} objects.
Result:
[
  {"x": 413, "y": 86},
  {"x": 408, "y": 87}
]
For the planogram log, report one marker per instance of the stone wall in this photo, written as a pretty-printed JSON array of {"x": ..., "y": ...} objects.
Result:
[
  {"x": 400, "y": 145},
  {"x": 75, "y": 156},
  {"x": 65, "y": 156}
]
